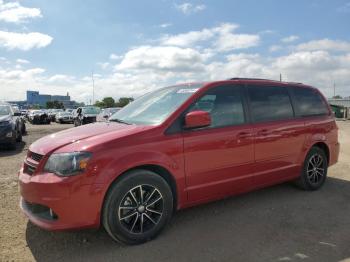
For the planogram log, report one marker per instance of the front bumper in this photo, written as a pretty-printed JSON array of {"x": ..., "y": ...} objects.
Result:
[{"x": 59, "y": 203}]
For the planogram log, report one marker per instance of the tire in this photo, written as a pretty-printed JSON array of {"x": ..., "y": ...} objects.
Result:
[
  {"x": 19, "y": 136},
  {"x": 314, "y": 172},
  {"x": 23, "y": 129},
  {"x": 129, "y": 222}
]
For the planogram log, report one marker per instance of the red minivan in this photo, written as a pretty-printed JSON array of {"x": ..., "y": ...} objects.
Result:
[{"x": 177, "y": 147}]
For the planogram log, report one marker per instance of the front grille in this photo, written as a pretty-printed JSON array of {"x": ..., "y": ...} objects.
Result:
[{"x": 36, "y": 157}]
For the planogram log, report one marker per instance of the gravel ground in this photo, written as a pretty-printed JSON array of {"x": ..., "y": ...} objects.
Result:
[{"x": 279, "y": 223}]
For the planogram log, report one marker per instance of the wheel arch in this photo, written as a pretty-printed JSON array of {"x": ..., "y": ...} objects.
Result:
[{"x": 324, "y": 147}]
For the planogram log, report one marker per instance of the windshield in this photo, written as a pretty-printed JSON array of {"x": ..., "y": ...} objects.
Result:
[
  {"x": 5, "y": 110},
  {"x": 91, "y": 110},
  {"x": 154, "y": 107}
]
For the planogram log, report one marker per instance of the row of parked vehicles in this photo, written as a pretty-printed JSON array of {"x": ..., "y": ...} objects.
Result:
[
  {"x": 80, "y": 116},
  {"x": 13, "y": 120}
]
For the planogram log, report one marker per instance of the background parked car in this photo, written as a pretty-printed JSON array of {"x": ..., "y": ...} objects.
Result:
[
  {"x": 39, "y": 117},
  {"x": 86, "y": 115},
  {"x": 22, "y": 121},
  {"x": 10, "y": 126},
  {"x": 64, "y": 117},
  {"x": 52, "y": 114},
  {"x": 106, "y": 113}
]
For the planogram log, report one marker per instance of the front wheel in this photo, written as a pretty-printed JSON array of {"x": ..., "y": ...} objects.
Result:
[
  {"x": 314, "y": 171},
  {"x": 137, "y": 207}
]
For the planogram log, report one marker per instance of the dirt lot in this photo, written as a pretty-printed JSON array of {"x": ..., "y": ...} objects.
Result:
[{"x": 280, "y": 223}]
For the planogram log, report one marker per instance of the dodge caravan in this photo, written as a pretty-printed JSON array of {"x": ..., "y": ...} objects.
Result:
[{"x": 178, "y": 147}]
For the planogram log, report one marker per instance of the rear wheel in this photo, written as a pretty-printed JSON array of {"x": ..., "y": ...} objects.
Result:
[
  {"x": 137, "y": 207},
  {"x": 314, "y": 171}
]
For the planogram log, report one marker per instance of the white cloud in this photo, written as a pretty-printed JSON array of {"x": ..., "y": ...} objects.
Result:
[
  {"x": 24, "y": 41},
  {"x": 290, "y": 39},
  {"x": 165, "y": 25},
  {"x": 115, "y": 57},
  {"x": 228, "y": 42},
  {"x": 275, "y": 48},
  {"x": 223, "y": 36},
  {"x": 188, "y": 8},
  {"x": 162, "y": 58},
  {"x": 22, "y": 61},
  {"x": 325, "y": 44},
  {"x": 103, "y": 65},
  {"x": 189, "y": 38},
  {"x": 61, "y": 78},
  {"x": 192, "y": 56},
  {"x": 14, "y": 12}
]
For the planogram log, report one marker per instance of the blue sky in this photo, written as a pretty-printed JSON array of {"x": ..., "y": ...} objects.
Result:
[{"x": 137, "y": 46}]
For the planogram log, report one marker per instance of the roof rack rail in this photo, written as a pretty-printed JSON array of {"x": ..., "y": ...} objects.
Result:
[
  {"x": 248, "y": 78},
  {"x": 264, "y": 79}
]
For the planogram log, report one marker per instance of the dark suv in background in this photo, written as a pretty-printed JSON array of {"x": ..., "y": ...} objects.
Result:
[{"x": 10, "y": 126}]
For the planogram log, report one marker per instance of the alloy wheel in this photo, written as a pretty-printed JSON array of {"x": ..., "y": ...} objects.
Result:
[
  {"x": 141, "y": 209},
  {"x": 315, "y": 169}
]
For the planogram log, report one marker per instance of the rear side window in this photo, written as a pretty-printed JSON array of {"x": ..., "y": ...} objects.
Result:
[
  {"x": 269, "y": 103},
  {"x": 225, "y": 105},
  {"x": 308, "y": 102}
]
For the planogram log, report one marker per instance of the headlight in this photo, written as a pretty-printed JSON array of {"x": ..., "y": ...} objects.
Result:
[
  {"x": 67, "y": 164},
  {"x": 5, "y": 123}
]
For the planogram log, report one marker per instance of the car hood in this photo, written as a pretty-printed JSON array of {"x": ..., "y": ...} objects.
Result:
[
  {"x": 5, "y": 118},
  {"x": 106, "y": 131}
]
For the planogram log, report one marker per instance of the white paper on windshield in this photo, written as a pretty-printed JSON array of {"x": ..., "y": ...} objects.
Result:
[{"x": 187, "y": 90}]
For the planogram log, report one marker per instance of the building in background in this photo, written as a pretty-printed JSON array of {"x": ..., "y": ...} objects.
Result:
[
  {"x": 34, "y": 98},
  {"x": 340, "y": 107}
]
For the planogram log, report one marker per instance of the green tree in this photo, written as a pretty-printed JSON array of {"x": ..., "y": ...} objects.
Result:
[
  {"x": 54, "y": 104},
  {"x": 49, "y": 105},
  {"x": 99, "y": 104},
  {"x": 108, "y": 102},
  {"x": 337, "y": 97},
  {"x": 123, "y": 101}
]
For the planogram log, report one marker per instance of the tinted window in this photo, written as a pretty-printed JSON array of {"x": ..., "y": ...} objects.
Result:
[
  {"x": 309, "y": 102},
  {"x": 225, "y": 105},
  {"x": 269, "y": 103}
]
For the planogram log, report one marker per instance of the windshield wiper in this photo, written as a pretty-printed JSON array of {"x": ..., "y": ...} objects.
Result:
[{"x": 119, "y": 121}]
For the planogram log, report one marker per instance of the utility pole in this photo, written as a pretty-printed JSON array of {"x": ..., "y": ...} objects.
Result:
[
  {"x": 93, "y": 87},
  {"x": 334, "y": 90},
  {"x": 280, "y": 77}
]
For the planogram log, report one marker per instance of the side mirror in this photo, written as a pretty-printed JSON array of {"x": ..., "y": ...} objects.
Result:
[{"x": 196, "y": 119}]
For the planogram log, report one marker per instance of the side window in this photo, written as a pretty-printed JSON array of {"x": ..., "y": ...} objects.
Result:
[
  {"x": 225, "y": 105},
  {"x": 309, "y": 102},
  {"x": 269, "y": 103}
]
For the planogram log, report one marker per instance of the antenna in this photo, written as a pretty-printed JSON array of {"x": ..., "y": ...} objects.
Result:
[{"x": 93, "y": 87}]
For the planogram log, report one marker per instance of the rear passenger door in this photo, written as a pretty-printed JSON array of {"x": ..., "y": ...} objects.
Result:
[{"x": 278, "y": 136}]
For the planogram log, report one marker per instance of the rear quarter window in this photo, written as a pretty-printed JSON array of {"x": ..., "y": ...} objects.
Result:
[{"x": 308, "y": 102}]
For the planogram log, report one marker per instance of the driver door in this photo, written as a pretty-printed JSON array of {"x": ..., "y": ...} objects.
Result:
[{"x": 219, "y": 159}]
